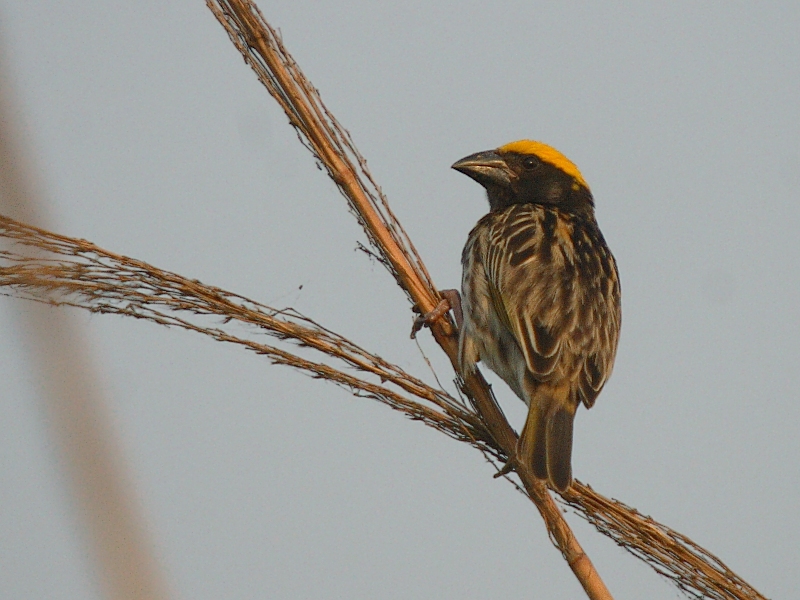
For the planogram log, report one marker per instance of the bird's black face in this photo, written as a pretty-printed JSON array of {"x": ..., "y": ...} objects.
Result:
[{"x": 521, "y": 178}]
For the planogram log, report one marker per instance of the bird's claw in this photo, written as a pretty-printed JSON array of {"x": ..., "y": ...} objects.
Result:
[
  {"x": 429, "y": 317},
  {"x": 506, "y": 468},
  {"x": 451, "y": 300}
]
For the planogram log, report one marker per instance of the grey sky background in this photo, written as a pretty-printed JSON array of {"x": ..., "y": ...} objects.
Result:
[{"x": 154, "y": 140}]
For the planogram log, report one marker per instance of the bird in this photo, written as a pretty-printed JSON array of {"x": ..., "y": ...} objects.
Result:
[{"x": 540, "y": 301}]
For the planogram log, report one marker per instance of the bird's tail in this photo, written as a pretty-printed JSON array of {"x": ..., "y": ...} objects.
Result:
[
  {"x": 545, "y": 444},
  {"x": 559, "y": 447},
  {"x": 532, "y": 444}
]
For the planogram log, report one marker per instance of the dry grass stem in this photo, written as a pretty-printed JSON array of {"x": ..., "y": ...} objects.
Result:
[
  {"x": 330, "y": 143},
  {"x": 46, "y": 267},
  {"x": 693, "y": 569},
  {"x": 263, "y": 50},
  {"x": 672, "y": 555},
  {"x": 78, "y": 273}
]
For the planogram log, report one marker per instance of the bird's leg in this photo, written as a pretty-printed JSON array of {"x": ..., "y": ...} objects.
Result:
[
  {"x": 454, "y": 298},
  {"x": 451, "y": 299}
]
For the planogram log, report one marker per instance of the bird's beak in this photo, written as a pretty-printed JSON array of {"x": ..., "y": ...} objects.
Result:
[{"x": 487, "y": 168}]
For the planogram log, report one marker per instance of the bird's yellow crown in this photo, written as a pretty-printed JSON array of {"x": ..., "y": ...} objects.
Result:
[{"x": 548, "y": 154}]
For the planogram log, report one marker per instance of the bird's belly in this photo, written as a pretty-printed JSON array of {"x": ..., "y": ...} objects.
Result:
[{"x": 500, "y": 352}]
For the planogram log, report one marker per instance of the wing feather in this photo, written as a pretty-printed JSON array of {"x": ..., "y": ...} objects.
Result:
[
  {"x": 544, "y": 288},
  {"x": 518, "y": 288}
]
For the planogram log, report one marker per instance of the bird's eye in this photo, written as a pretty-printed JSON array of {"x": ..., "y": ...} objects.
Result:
[{"x": 530, "y": 162}]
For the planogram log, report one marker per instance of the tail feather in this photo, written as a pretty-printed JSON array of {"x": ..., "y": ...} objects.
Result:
[
  {"x": 559, "y": 448},
  {"x": 545, "y": 444},
  {"x": 532, "y": 445}
]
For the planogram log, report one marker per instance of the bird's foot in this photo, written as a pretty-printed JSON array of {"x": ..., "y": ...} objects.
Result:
[
  {"x": 451, "y": 299},
  {"x": 510, "y": 465}
]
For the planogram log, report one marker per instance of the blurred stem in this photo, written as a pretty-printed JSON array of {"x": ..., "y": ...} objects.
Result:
[{"x": 77, "y": 411}]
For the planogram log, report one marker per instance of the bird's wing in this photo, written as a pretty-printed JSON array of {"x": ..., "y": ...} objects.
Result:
[
  {"x": 534, "y": 275},
  {"x": 527, "y": 295},
  {"x": 539, "y": 340},
  {"x": 592, "y": 378}
]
